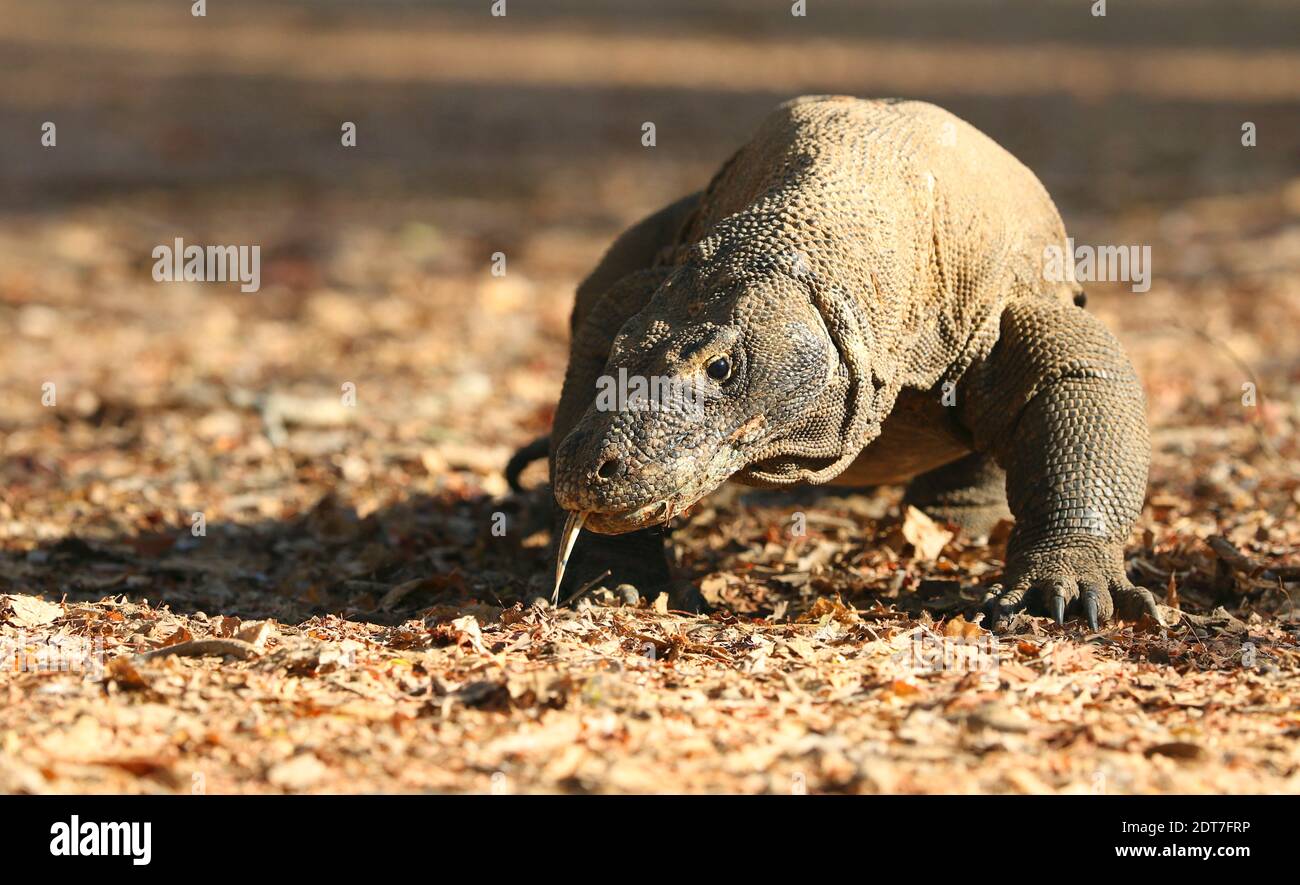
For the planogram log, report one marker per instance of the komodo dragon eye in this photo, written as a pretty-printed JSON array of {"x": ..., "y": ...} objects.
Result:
[{"x": 719, "y": 369}]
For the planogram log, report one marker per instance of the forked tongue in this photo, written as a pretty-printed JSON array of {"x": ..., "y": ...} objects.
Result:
[{"x": 572, "y": 526}]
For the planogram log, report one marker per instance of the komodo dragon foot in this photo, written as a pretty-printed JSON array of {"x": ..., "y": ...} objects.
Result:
[{"x": 1072, "y": 577}]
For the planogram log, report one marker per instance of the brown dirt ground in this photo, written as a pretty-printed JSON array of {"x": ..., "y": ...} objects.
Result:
[{"x": 375, "y": 635}]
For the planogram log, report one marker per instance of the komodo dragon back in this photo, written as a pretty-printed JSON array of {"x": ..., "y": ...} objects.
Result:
[{"x": 924, "y": 225}]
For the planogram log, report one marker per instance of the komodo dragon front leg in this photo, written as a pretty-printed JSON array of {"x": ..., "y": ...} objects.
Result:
[{"x": 1060, "y": 408}]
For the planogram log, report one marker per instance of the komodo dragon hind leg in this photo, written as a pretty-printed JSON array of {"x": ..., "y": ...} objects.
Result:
[{"x": 971, "y": 492}]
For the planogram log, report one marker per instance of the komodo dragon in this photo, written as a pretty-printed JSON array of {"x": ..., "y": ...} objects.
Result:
[{"x": 858, "y": 295}]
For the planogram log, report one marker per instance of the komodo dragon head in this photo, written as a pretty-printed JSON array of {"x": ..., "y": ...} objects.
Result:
[{"x": 744, "y": 363}]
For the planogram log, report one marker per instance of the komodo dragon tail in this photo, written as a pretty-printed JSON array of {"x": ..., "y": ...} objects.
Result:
[{"x": 534, "y": 451}]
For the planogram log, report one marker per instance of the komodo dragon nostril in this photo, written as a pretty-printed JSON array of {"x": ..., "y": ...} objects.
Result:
[{"x": 611, "y": 469}]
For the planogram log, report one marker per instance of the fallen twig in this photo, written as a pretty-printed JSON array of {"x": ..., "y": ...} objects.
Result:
[
  {"x": 197, "y": 648},
  {"x": 1234, "y": 558},
  {"x": 587, "y": 586}
]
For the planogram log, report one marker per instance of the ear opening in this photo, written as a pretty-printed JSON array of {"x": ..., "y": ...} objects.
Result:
[
  {"x": 851, "y": 413},
  {"x": 855, "y": 342}
]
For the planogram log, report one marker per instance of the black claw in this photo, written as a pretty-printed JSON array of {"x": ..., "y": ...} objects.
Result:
[
  {"x": 1058, "y": 609},
  {"x": 1090, "y": 611}
]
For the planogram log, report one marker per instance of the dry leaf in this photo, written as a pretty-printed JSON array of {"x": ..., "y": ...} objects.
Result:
[
  {"x": 28, "y": 611},
  {"x": 226, "y": 626},
  {"x": 801, "y": 648},
  {"x": 257, "y": 633},
  {"x": 297, "y": 773},
  {"x": 832, "y": 608},
  {"x": 181, "y": 635},
  {"x": 463, "y": 632},
  {"x": 925, "y": 535},
  {"x": 902, "y": 688},
  {"x": 960, "y": 628},
  {"x": 122, "y": 670}
]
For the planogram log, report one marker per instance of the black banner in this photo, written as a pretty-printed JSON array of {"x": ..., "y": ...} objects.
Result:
[{"x": 130, "y": 834}]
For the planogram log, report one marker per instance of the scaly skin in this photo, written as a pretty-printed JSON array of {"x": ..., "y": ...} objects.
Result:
[
  {"x": 971, "y": 492},
  {"x": 1058, "y": 405},
  {"x": 617, "y": 288},
  {"x": 853, "y": 256}
]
